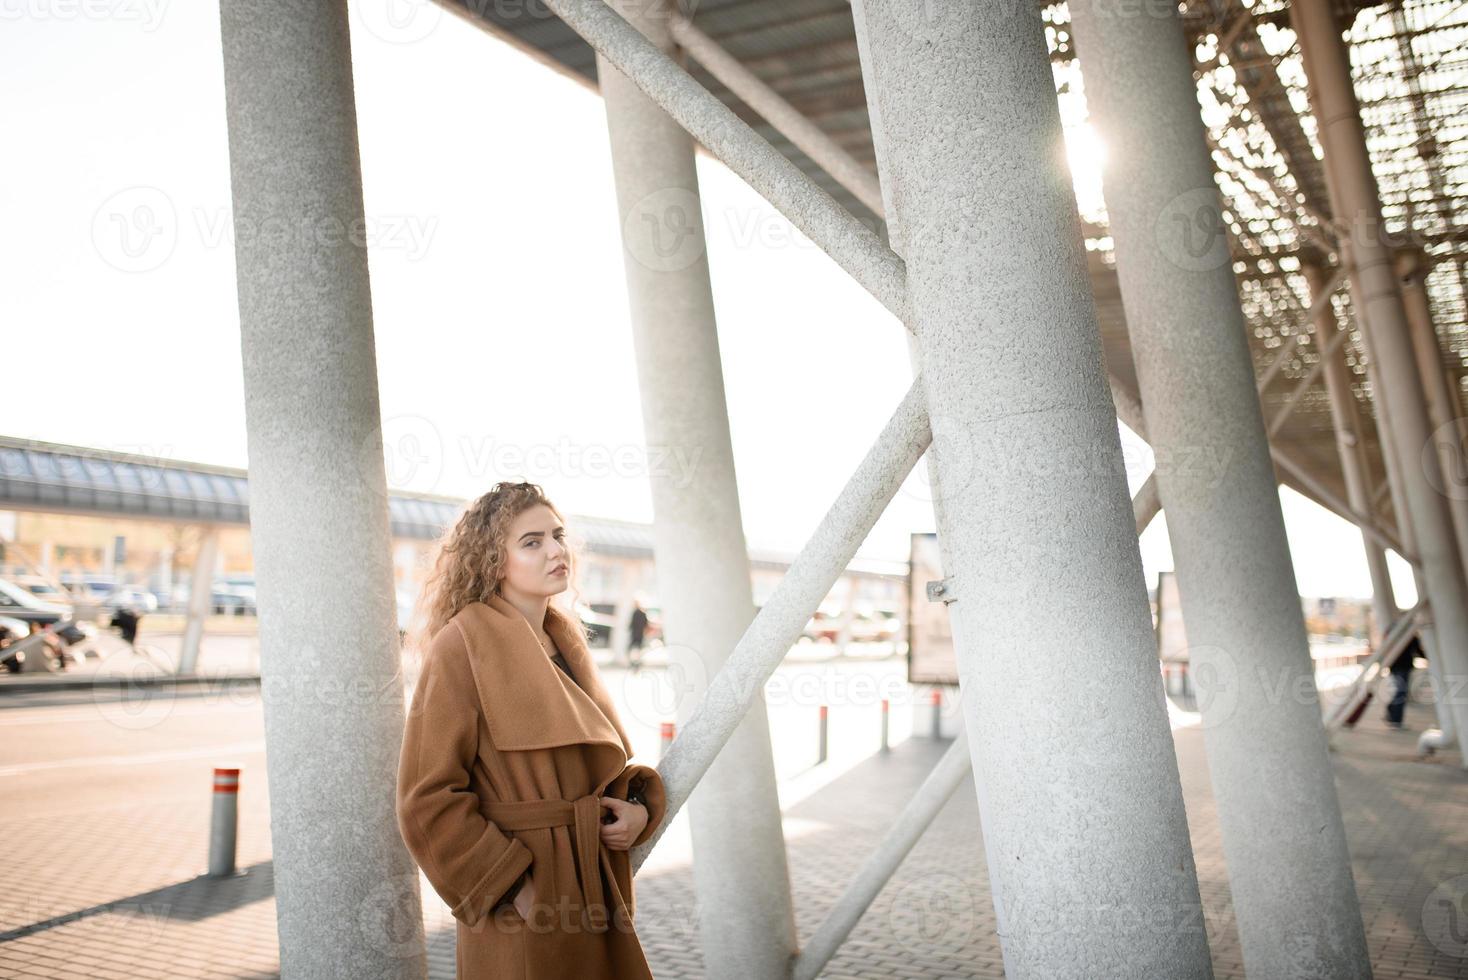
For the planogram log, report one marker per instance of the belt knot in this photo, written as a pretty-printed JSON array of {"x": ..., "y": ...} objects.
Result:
[{"x": 583, "y": 816}]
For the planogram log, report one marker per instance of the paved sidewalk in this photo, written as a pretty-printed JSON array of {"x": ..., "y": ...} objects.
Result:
[
  {"x": 1404, "y": 819},
  {"x": 118, "y": 895}
]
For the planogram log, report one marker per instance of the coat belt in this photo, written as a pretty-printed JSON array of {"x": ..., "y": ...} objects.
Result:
[{"x": 583, "y": 814}]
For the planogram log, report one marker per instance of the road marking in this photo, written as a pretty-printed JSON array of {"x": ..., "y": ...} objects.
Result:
[
  {"x": 147, "y": 758},
  {"x": 59, "y": 714}
]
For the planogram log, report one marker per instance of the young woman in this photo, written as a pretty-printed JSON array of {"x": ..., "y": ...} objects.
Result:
[{"x": 514, "y": 792}]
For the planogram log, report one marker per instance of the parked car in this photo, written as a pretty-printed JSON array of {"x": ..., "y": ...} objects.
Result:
[
  {"x": 235, "y": 595},
  {"x": 597, "y": 622},
  {"x": 21, "y": 604},
  {"x": 43, "y": 589},
  {"x": 130, "y": 597},
  {"x": 89, "y": 587}
]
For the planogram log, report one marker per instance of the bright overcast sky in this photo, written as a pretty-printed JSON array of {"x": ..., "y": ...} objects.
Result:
[{"x": 499, "y": 304}]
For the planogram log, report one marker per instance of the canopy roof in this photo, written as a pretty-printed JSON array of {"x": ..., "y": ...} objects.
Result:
[{"x": 1410, "y": 63}]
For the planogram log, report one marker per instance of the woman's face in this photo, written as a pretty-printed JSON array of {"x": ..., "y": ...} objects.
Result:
[{"x": 536, "y": 563}]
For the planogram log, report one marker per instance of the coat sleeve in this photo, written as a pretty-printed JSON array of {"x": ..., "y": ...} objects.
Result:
[
  {"x": 469, "y": 861},
  {"x": 647, "y": 781}
]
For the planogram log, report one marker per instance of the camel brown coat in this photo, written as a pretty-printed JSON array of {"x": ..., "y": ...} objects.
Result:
[{"x": 502, "y": 763}]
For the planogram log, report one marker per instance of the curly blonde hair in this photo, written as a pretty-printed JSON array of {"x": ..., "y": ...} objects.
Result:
[{"x": 471, "y": 555}]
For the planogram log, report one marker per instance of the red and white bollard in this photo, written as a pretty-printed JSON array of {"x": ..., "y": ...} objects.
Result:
[
  {"x": 937, "y": 713},
  {"x": 224, "y": 823},
  {"x": 821, "y": 744},
  {"x": 885, "y": 711},
  {"x": 666, "y": 731}
]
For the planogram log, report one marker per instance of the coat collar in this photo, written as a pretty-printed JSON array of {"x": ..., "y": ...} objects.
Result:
[{"x": 529, "y": 702}]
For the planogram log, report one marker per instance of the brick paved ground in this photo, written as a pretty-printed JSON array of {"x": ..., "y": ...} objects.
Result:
[{"x": 115, "y": 892}]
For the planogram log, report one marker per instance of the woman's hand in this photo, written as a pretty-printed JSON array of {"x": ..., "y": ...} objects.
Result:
[
  {"x": 525, "y": 898},
  {"x": 631, "y": 819}
]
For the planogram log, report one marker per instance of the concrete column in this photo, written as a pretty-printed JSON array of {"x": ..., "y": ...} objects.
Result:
[
  {"x": 1346, "y": 418},
  {"x": 1091, "y": 871},
  {"x": 1411, "y": 267},
  {"x": 201, "y": 592},
  {"x": 1411, "y": 271},
  {"x": 746, "y": 922},
  {"x": 318, "y": 496},
  {"x": 1392, "y": 464},
  {"x": 1379, "y": 304},
  {"x": 1283, "y": 837}
]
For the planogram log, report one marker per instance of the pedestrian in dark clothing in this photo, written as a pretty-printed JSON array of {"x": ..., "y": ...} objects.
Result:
[
  {"x": 126, "y": 619},
  {"x": 1401, "y": 675},
  {"x": 638, "y": 626}
]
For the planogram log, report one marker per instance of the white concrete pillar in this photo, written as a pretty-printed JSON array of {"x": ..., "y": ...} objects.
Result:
[
  {"x": 1392, "y": 465},
  {"x": 1411, "y": 268},
  {"x": 1078, "y": 793},
  {"x": 1379, "y": 305},
  {"x": 746, "y": 921},
  {"x": 1283, "y": 836},
  {"x": 201, "y": 592},
  {"x": 1441, "y": 408},
  {"x": 318, "y": 496},
  {"x": 1351, "y": 447}
]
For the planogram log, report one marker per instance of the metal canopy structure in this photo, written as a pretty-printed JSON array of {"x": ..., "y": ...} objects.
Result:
[{"x": 1410, "y": 70}]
